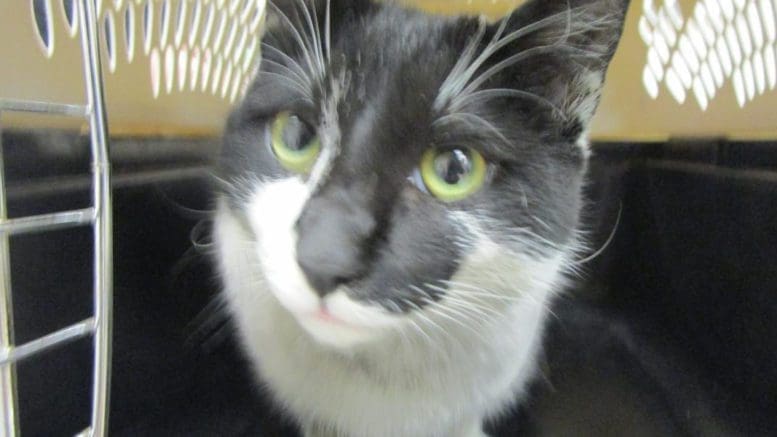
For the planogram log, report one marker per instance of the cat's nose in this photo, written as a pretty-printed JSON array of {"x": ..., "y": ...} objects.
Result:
[{"x": 331, "y": 243}]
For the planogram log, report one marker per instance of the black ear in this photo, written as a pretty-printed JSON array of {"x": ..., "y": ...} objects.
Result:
[
  {"x": 550, "y": 55},
  {"x": 563, "y": 52}
]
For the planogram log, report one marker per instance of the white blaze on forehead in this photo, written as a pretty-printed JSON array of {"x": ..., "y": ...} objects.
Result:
[{"x": 329, "y": 135}]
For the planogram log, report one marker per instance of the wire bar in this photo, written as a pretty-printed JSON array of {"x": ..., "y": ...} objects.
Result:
[
  {"x": 99, "y": 216},
  {"x": 103, "y": 225},
  {"x": 65, "y": 109},
  {"x": 64, "y": 335},
  {"x": 9, "y": 414},
  {"x": 47, "y": 222}
]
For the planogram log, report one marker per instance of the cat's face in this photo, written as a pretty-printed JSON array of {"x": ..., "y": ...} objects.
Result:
[{"x": 388, "y": 165}]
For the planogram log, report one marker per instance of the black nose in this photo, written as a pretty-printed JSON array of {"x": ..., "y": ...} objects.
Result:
[{"x": 332, "y": 237}]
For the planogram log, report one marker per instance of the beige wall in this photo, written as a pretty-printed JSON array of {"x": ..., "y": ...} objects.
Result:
[{"x": 626, "y": 113}]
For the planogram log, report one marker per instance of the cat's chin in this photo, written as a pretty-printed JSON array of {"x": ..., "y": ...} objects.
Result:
[
  {"x": 336, "y": 333},
  {"x": 340, "y": 322}
]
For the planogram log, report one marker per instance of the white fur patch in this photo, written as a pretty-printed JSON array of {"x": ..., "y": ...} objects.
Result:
[
  {"x": 271, "y": 213},
  {"x": 329, "y": 134}
]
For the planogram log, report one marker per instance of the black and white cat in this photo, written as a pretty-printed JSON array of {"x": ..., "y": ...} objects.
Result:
[{"x": 400, "y": 202}]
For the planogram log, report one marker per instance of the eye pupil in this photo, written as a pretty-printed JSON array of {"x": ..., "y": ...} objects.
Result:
[
  {"x": 452, "y": 166},
  {"x": 294, "y": 143},
  {"x": 297, "y": 135},
  {"x": 452, "y": 174}
]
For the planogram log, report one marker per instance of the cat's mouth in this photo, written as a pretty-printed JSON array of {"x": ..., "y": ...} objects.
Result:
[
  {"x": 324, "y": 315},
  {"x": 341, "y": 322}
]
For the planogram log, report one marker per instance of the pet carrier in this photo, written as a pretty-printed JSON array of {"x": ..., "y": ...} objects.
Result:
[
  {"x": 200, "y": 51},
  {"x": 98, "y": 216},
  {"x": 661, "y": 291}
]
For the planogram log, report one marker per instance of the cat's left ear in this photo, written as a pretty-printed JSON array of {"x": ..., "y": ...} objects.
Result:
[{"x": 560, "y": 50}]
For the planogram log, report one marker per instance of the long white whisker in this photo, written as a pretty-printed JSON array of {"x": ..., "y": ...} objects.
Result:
[
  {"x": 480, "y": 96},
  {"x": 300, "y": 41},
  {"x": 499, "y": 66},
  {"x": 452, "y": 85},
  {"x": 303, "y": 80},
  {"x": 606, "y": 243},
  {"x": 474, "y": 290},
  {"x": 290, "y": 82},
  {"x": 441, "y": 312},
  {"x": 315, "y": 34},
  {"x": 472, "y": 305},
  {"x": 291, "y": 77},
  {"x": 291, "y": 62},
  {"x": 328, "y": 34},
  {"x": 471, "y": 118},
  {"x": 497, "y": 45}
]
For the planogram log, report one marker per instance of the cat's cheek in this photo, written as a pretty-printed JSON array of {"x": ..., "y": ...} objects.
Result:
[
  {"x": 504, "y": 270},
  {"x": 272, "y": 212}
]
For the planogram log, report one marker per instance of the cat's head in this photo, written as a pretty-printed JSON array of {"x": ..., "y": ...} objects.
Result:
[{"x": 387, "y": 164}]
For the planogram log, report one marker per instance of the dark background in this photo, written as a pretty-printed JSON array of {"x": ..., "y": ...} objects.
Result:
[{"x": 671, "y": 331}]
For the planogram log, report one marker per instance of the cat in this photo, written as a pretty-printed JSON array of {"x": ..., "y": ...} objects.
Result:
[{"x": 400, "y": 200}]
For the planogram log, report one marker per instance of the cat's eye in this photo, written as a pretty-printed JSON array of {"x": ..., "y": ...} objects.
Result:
[
  {"x": 453, "y": 174},
  {"x": 294, "y": 143}
]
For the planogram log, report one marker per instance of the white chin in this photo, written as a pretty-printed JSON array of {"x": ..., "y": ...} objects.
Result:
[
  {"x": 349, "y": 324},
  {"x": 337, "y": 335}
]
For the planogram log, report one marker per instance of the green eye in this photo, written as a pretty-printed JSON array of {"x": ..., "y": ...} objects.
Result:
[
  {"x": 453, "y": 174},
  {"x": 294, "y": 143}
]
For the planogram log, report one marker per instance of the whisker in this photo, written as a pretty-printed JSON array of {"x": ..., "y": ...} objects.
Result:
[
  {"x": 288, "y": 59},
  {"x": 299, "y": 85},
  {"x": 419, "y": 329},
  {"x": 290, "y": 82},
  {"x": 208, "y": 321},
  {"x": 315, "y": 34},
  {"x": 512, "y": 60},
  {"x": 483, "y": 293},
  {"x": 452, "y": 84},
  {"x": 298, "y": 37},
  {"x": 472, "y": 305},
  {"x": 328, "y": 33},
  {"x": 606, "y": 243},
  {"x": 485, "y": 95},
  {"x": 471, "y": 118},
  {"x": 494, "y": 46},
  {"x": 441, "y": 312},
  {"x": 472, "y": 289},
  {"x": 542, "y": 222},
  {"x": 444, "y": 334},
  {"x": 304, "y": 81}
]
